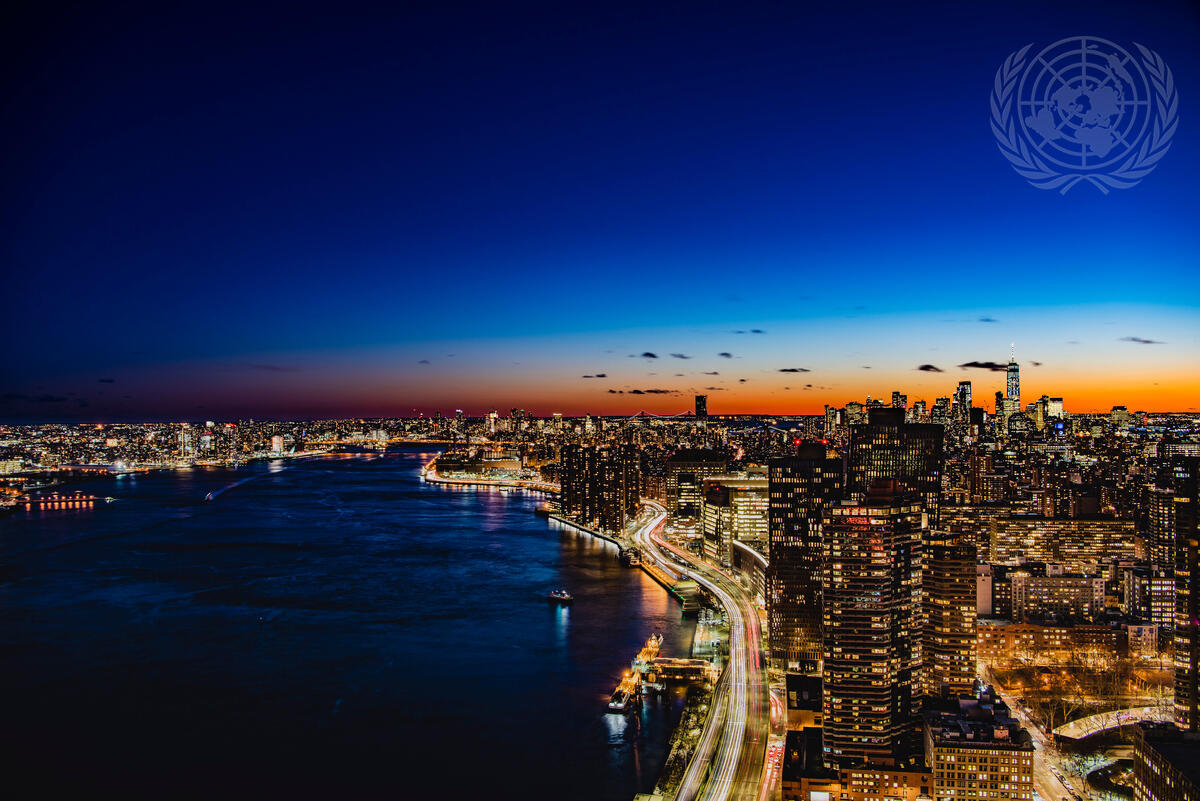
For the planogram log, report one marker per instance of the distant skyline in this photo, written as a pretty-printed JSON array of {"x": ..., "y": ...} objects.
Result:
[{"x": 268, "y": 215}]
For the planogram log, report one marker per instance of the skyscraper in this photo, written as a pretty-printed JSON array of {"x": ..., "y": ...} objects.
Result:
[
  {"x": 871, "y": 613},
  {"x": 701, "y": 407},
  {"x": 1014, "y": 380},
  {"x": 1187, "y": 593},
  {"x": 600, "y": 486},
  {"x": 948, "y": 584},
  {"x": 962, "y": 402},
  {"x": 887, "y": 447},
  {"x": 800, "y": 488}
]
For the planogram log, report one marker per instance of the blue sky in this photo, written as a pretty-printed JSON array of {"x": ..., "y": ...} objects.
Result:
[{"x": 336, "y": 196}]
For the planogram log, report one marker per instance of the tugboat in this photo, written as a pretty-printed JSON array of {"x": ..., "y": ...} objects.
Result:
[{"x": 560, "y": 597}]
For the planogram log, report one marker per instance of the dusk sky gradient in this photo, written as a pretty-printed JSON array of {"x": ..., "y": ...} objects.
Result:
[{"x": 331, "y": 211}]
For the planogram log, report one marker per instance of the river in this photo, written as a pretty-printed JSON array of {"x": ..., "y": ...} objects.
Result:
[{"x": 327, "y": 625}]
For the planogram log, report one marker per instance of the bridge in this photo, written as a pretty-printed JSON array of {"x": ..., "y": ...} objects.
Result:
[{"x": 1103, "y": 722}]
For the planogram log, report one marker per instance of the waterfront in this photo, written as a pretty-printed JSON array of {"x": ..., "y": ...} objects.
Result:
[{"x": 323, "y": 625}]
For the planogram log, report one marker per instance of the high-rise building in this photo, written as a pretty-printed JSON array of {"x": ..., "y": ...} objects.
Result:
[
  {"x": 1014, "y": 381},
  {"x": 686, "y": 470},
  {"x": 701, "y": 408},
  {"x": 733, "y": 509},
  {"x": 962, "y": 402},
  {"x": 871, "y": 614},
  {"x": 1187, "y": 593},
  {"x": 600, "y": 485},
  {"x": 1165, "y": 767},
  {"x": 949, "y": 585},
  {"x": 887, "y": 447},
  {"x": 801, "y": 486}
]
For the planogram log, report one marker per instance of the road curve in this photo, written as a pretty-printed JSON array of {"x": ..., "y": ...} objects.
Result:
[{"x": 740, "y": 724}]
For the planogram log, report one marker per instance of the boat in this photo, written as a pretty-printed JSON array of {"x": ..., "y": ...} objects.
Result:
[
  {"x": 620, "y": 701},
  {"x": 631, "y": 557},
  {"x": 560, "y": 597}
]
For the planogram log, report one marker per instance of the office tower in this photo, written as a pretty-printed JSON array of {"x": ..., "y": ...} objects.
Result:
[
  {"x": 949, "y": 585},
  {"x": 1160, "y": 527},
  {"x": 733, "y": 508},
  {"x": 701, "y": 408},
  {"x": 962, "y": 401},
  {"x": 887, "y": 447},
  {"x": 686, "y": 470},
  {"x": 1014, "y": 381},
  {"x": 800, "y": 488},
  {"x": 940, "y": 413},
  {"x": 899, "y": 401},
  {"x": 871, "y": 613}
]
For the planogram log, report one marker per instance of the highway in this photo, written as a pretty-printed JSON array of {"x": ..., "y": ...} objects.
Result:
[{"x": 730, "y": 758}]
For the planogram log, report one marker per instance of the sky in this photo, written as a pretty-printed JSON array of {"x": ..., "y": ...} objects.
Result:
[{"x": 214, "y": 212}]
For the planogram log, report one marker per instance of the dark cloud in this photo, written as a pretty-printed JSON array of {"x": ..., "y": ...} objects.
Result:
[
  {"x": 1141, "y": 341},
  {"x": 930, "y": 368},
  {"x": 739, "y": 332},
  {"x": 106, "y": 381},
  {"x": 679, "y": 375},
  {"x": 993, "y": 366},
  {"x": 866, "y": 367},
  {"x": 988, "y": 320},
  {"x": 597, "y": 375},
  {"x": 741, "y": 381},
  {"x": 423, "y": 361},
  {"x": 757, "y": 331},
  {"x": 714, "y": 372},
  {"x": 725, "y": 355},
  {"x": 273, "y": 368},
  {"x": 648, "y": 355},
  {"x": 653, "y": 392},
  {"x": 616, "y": 392},
  {"x": 1036, "y": 364},
  {"x": 794, "y": 370},
  {"x": 714, "y": 389},
  {"x": 680, "y": 356}
]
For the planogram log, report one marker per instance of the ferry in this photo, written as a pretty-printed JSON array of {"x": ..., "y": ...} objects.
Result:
[
  {"x": 631, "y": 557},
  {"x": 560, "y": 597}
]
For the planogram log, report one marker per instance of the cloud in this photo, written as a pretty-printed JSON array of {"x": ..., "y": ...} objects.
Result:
[
  {"x": 741, "y": 381},
  {"x": 1036, "y": 364},
  {"x": 616, "y": 392},
  {"x": 648, "y": 355},
  {"x": 794, "y": 370},
  {"x": 1141, "y": 341},
  {"x": 757, "y": 331},
  {"x": 597, "y": 375},
  {"x": 988, "y": 320},
  {"x": 714, "y": 389},
  {"x": 993, "y": 366},
  {"x": 424, "y": 361},
  {"x": 273, "y": 368},
  {"x": 739, "y": 332},
  {"x": 679, "y": 375},
  {"x": 106, "y": 381},
  {"x": 866, "y": 367},
  {"x": 725, "y": 355},
  {"x": 930, "y": 368},
  {"x": 679, "y": 356},
  {"x": 653, "y": 392},
  {"x": 714, "y": 372}
]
